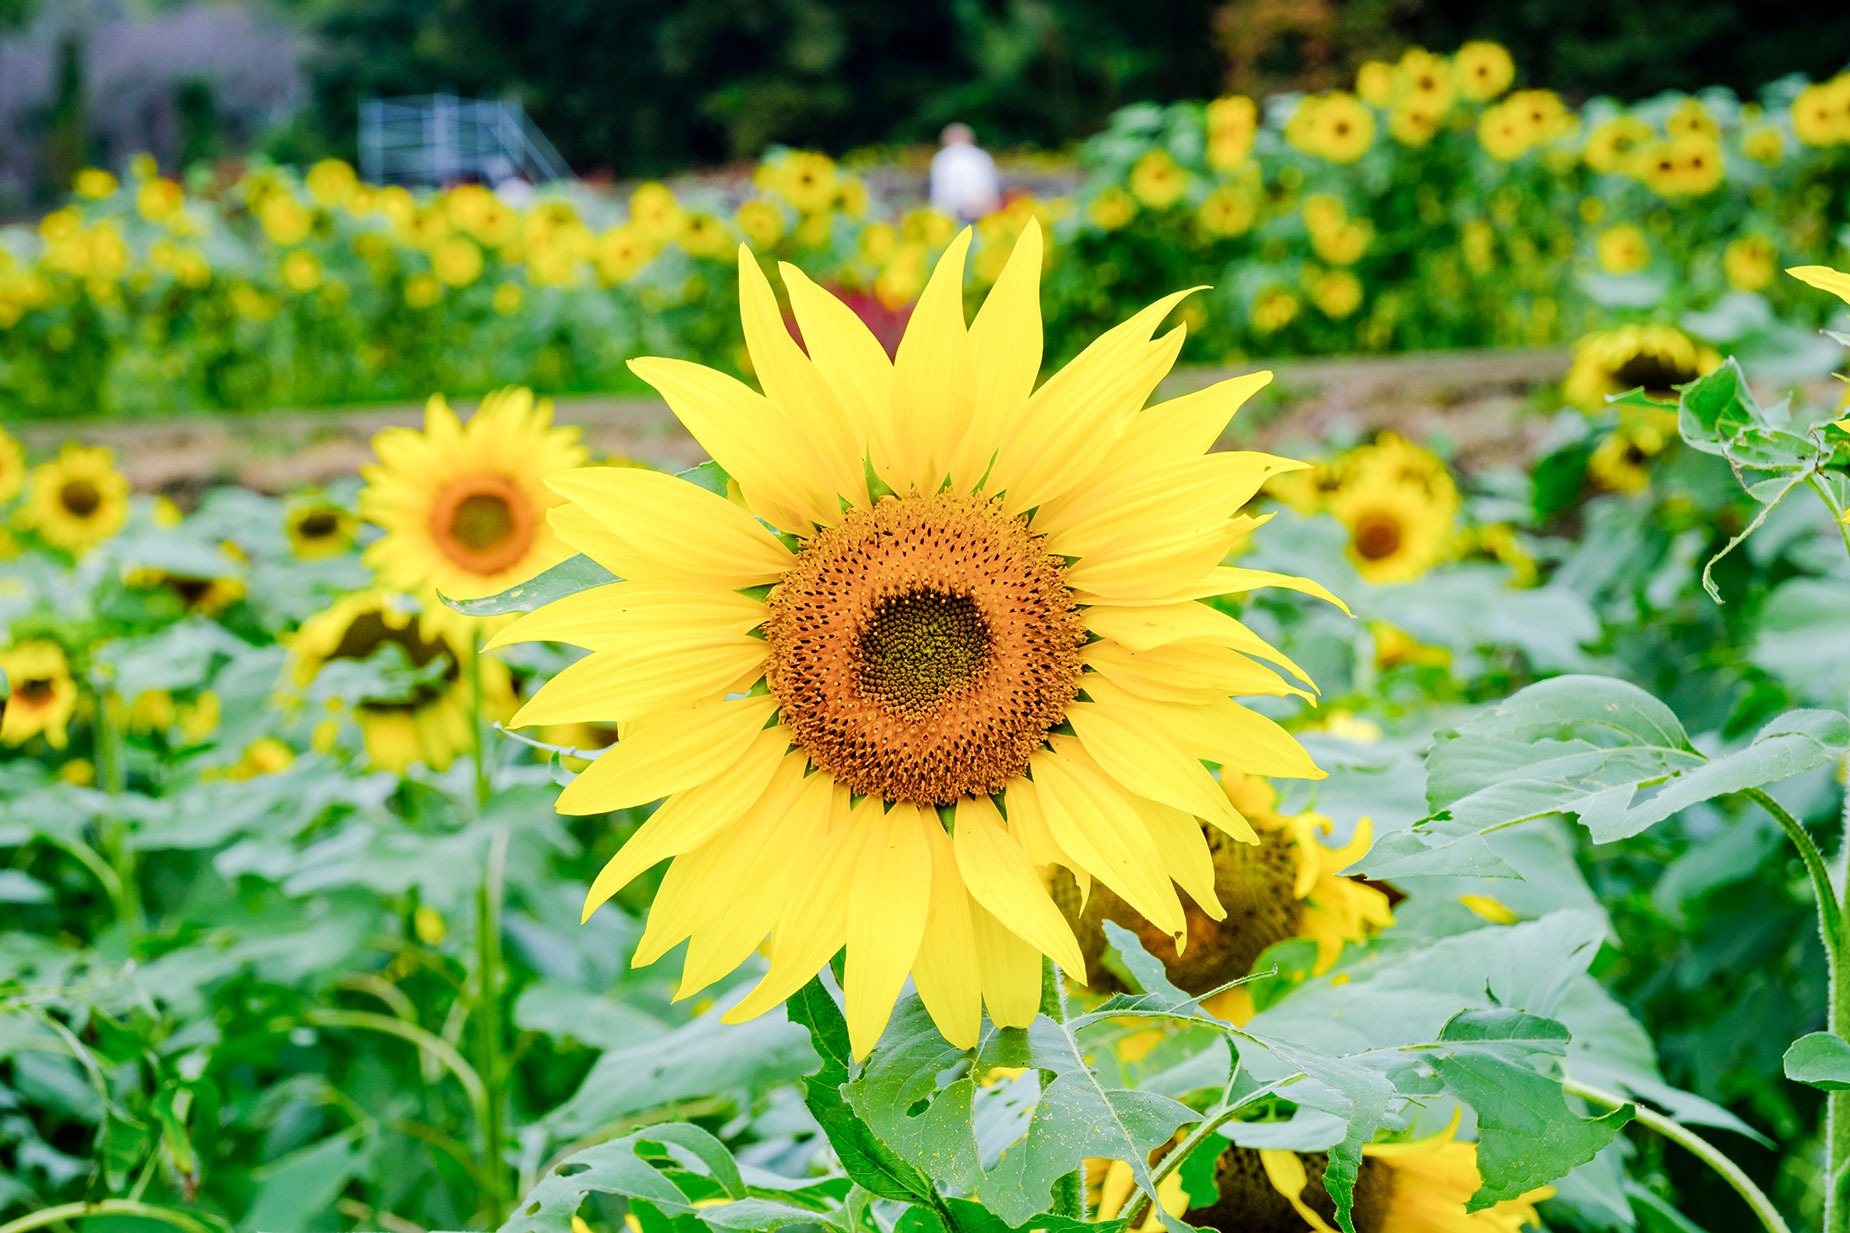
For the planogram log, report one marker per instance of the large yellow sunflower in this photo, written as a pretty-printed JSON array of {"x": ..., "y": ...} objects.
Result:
[
  {"x": 970, "y": 644},
  {"x": 429, "y": 723},
  {"x": 1285, "y": 886},
  {"x": 1656, "y": 358},
  {"x": 78, "y": 499},
  {"x": 463, "y": 506},
  {"x": 12, "y": 467},
  {"x": 43, "y": 695}
]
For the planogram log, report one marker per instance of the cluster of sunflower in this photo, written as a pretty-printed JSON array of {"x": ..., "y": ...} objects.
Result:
[
  {"x": 1397, "y": 501},
  {"x": 1485, "y": 215}
]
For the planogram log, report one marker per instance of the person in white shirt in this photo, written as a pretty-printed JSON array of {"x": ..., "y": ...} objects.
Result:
[{"x": 964, "y": 183}]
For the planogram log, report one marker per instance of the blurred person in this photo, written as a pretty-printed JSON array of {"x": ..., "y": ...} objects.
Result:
[{"x": 964, "y": 183}]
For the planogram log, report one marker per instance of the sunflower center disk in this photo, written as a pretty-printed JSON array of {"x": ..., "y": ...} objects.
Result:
[
  {"x": 1377, "y": 537},
  {"x": 922, "y": 650},
  {"x": 80, "y": 497},
  {"x": 34, "y": 690},
  {"x": 483, "y": 523}
]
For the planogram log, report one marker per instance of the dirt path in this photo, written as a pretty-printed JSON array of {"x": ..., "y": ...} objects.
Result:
[{"x": 1480, "y": 400}]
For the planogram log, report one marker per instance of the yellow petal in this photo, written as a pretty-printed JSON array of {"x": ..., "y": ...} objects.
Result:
[
  {"x": 608, "y": 615},
  {"x": 668, "y": 753},
  {"x": 1824, "y": 278},
  {"x": 665, "y": 528},
  {"x": 1069, "y": 425},
  {"x": 1152, "y": 568},
  {"x": 1286, "y": 1173},
  {"x": 660, "y": 673},
  {"x": 1186, "y": 426},
  {"x": 849, "y": 358},
  {"x": 687, "y": 819},
  {"x": 815, "y": 925},
  {"x": 1098, "y": 829},
  {"x": 1222, "y": 731},
  {"x": 1010, "y": 970},
  {"x": 1142, "y": 627},
  {"x": 999, "y": 876},
  {"x": 1005, "y": 352},
  {"x": 1185, "y": 853},
  {"x": 1193, "y": 495},
  {"x": 581, "y": 532},
  {"x": 887, "y": 908},
  {"x": 1145, "y": 760},
  {"x": 1186, "y": 672},
  {"x": 809, "y": 406},
  {"x": 1027, "y": 823},
  {"x": 934, "y": 387},
  {"x": 945, "y": 971},
  {"x": 1233, "y": 580},
  {"x": 779, "y": 472}
]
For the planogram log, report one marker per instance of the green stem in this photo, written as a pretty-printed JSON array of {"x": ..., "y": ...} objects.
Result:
[
  {"x": 1069, "y": 1192},
  {"x": 478, "y": 744},
  {"x": 103, "y": 1207},
  {"x": 429, "y": 1042},
  {"x": 1837, "y": 511},
  {"x": 488, "y": 1027},
  {"x": 1837, "y": 980},
  {"x": 1695, "y": 1145},
  {"x": 111, "y": 831}
]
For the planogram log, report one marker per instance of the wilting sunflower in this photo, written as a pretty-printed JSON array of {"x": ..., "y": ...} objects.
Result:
[
  {"x": 1401, "y": 508},
  {"x": 12, "y": 467},
  {"x": 429, "y": 721},
  {"x": 1419, "y": 1186},
  {"x": 319, "y": 528},
  {"x": 463, "y": 506},
  {"x": 78, "y": 499},
  {"x": 978, "y": 649},
  {"x": 1655, "y": 358},
  {"x": 1285, "y": 886},
  {"x": 43, "y": 695}
]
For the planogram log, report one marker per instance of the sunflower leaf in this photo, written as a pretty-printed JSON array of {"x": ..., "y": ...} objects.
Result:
[
  {"x": 1820, "y": 1060},
  {"x": 568, "y": 577}
]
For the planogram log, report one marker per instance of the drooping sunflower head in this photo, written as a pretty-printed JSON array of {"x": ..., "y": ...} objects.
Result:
[
  {"x": 1419, "y": 1186},
  {"x": 43, "y": 694},
  {"x": 12, "y": 467},
  {"x": 463, "y": 506},
  {"x": 949, "y": 634},
  {"x": 78, "y": 499},
  {"x": 1654, "y": 358},
  {"x": 319, "y": 528},
  {"x": 422, "y": 716}
]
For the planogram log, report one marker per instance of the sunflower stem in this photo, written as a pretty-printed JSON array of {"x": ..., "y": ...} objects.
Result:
[
  {"x": 478, "y": 744},
  {"x": 1695, "y": 1145},
  {"x": 111, "y": 831},
  {"x": 1069, "y": 1192},
  {"x": 490, "y": 1064}
]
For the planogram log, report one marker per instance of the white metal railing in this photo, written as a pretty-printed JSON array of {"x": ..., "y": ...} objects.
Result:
[{"x": 440, "y": 138}]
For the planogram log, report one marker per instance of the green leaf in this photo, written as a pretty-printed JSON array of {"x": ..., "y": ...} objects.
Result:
[
  {"x": 568, "y": 577},
  {"x": 1356, "y": 1092},
  {"x": 708, "y": 475},
  {"x": 17, "y": 886},
  {"x": 1593, "y": 748},
  {"x": 857, "y": 1144},
  {"x": 1715, "y": 408},
  {"x": 1821, "y": 1060},
  {"x": 607, "y": 1168},
  {"x": 755, "y": 1215},
  {"x": 1528, "y": 1135}
]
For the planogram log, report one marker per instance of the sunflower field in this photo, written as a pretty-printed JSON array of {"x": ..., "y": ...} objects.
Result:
[{"x": 989, "y": 794}]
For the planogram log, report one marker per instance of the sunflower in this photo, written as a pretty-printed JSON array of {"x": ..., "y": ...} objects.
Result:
[
  {"x": 1419, "y": 1186},
  {"x": 1821, "y": 112},
  {"x": 984, "y": 610},
  {"x": 1336, "y": 126},
  {"x": 204, "y": 594},
  {"x": 1400, "y": 505},
  {"x": 1620, "y": 462},
  {"x": 1750, "y": 261},
  {"x": 429, "y": 721},
  {"x": 43, "y": 694},
  {"x": 1157, "y": 180},
  {"x": 1284, "y": 886},
  {"x": 1483, "y": 69},
  {"x": 77, "y": 500},
  {"x": 463, "y": 506},
  {"x": 1232, "y": 123},
  {"x": 1623, "y": 249},
  {"x": 12, "y": 467},
  {"x": 1655, "y": 358},
  {"x": 319, "y": 528}
]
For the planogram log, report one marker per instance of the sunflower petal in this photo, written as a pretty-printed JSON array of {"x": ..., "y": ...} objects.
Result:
[
  {"x": 1146, "y": 761},
  {"x": 848, "y": 356},
  {"x": 1001, "y": 878},
  {"x": 1010, "y": 970},
  {"x": 643, "y": 678},
  {"x": 1005, "y": 352},
  {"x": 887, "y": 910},
  {"x": 668, "y": 753},
  {"x": 604, "y": 616},
  {"x": 663, "y": 528},
  {"x": 1098, "y": 828},
  {"x": 1185, "y": 853},
  {"x": 934, "y": 388},
  {"x": 945, "y": 971}
]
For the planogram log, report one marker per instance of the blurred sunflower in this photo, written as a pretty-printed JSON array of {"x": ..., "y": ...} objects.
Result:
[
  {"x": 1157, "y": 180},
  {"x": 1401, "y": 508},
  {"x": 1483, "y": 69},
  {"x": 77, "y": 500},
  {"x": 1232, "y": 123},
  {"x": 428, "y": 721},
  {"x": 43, "y": 695},
  {"x": 206, "y": 595},
  {"x": 655, "y": 213},
  {"x": 1227, "y": 211},
  {"x": 1273, "y": 309},
  {"x": 807, "y": 180},
  {"x": 12, "y": 467},
  {"x": 1655, "y": 358},
  {"x": 620, "y": 252},
  {"x": 1112, "y": 208},
  {"x": 319, "y": 528},
  {"x": 1336, "y": 126},
  {"x": 1821, "y": 112},
  {"x": 1418, "y": 1186},
  {"x": 1750, "y": 261},
  {"x": 1623, "y": 249},
  {"x": 1619, "y": 462},
  {"x": 1285, "y": 886},
  {"x": 463, "y": 506},
  {"x": 703, "y": 235},
  {"x": 968, "y": 564},
  {"x": 760, "y": 222}
]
